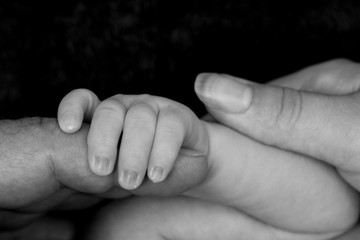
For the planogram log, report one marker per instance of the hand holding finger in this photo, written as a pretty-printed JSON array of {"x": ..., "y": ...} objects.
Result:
[
  {"x": 157, "y": 131},
  {"x": 154, "y": 132}
]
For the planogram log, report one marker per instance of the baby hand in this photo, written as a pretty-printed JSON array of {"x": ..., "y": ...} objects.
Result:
[{"x": 152, "y": 130}]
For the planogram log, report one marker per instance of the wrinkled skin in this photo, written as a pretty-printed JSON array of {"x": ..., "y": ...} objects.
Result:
[
  {"x": 186, "y": 218},
  {"x": 335, "y": 77},
  {"x": 42, "y": 168}
]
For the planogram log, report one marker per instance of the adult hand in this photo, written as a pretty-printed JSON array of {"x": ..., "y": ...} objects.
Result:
[
  {"x": 123, "y": 219},
  {"x": 42, "y": 168},
  {"x": 315, "y": 112}
]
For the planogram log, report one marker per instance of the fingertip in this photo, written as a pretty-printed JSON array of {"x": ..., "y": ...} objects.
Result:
[
  {"x": 76, "y": 106},
  {"x": 69, "y": 123},
  {"x": 157, "y": 174},
  {"x": 129, "y": 179},
  {"x": 101, "y": 166}
]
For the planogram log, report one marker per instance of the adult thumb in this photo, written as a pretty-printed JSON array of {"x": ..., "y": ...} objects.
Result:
[{"x": 317, "y": 125}]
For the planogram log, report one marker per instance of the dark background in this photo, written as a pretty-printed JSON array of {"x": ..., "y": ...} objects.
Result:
[{"x": 159, "y": 46}]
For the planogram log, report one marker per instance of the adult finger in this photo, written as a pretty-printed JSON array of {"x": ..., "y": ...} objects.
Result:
[
  {"x": 74, "y": 107},
  {"x": 338, "y": 76},
  {"x": 318, "y": 125}
]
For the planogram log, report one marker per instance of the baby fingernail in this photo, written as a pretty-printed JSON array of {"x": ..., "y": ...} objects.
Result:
[
  {"x": 157, "y": 174},
  {"x": 101, "y": 165},
  {"x": 129, "y": 179}
]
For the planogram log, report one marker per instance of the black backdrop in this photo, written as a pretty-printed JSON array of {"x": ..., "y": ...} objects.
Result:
[{"x": 159, "y": 46}]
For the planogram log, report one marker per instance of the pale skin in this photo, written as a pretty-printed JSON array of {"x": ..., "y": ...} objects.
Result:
[
  {"x": 35, "y": 148},
  {"x": 44, "y": 169},
  {"x": 246, "y": 184},
  {"x": 328, "y": 95}
]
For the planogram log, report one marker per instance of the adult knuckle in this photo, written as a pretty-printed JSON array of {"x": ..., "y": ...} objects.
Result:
[
  {"x": 325, "y": 79},
  {"x": 290, "y": 109},
  {"x": 334, "y": 73},
  {"x": 9, "y": 127},
  {"x": 34, "y": 127},
  {"x": 30, "y": 138},
  {"x": 50, "y": 125},
  {"x": 48, "y": 131}
]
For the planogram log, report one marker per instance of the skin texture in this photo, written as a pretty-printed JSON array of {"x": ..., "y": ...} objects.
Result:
[
  {"x": 151, "y": 132},
  {"x": 151, "y": 212},
  {"x": 242, "y": 173},
  {"x": 183, "y": 218},
  {"x": 318, "y": 103},
  {"x": 35, "y": 152},
  {"x": 260, "y": 231},
  {"x": 288, "y": 117}
]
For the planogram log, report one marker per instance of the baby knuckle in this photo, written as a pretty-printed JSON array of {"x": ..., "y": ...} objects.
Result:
[
  {"x": 103, "y": 143},
  {"x": 111, "y": 108},
  {"x": 136, "y": 156},
  {"x": 173, "y": 129},
  {"x": 141, "y": 109},
  {"x": 171, "y": 113},
  {"x": 141, "y": 116},
  {"x": 176, "y": 119},
  {"x": 83, "y": 92}
]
